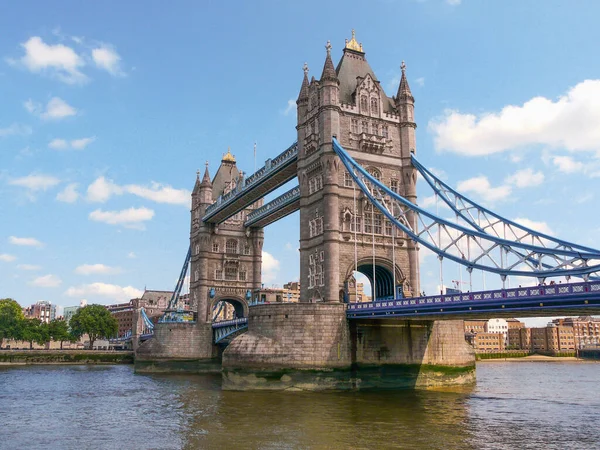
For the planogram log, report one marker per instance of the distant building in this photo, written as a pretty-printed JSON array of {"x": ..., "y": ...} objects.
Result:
[
  {"x": 586, "y": 330},
  {"x": 479, "y": 333},
  {"x": 488, "y": 342},
  {"x": 43, "y": 310},
  {"x": 123, "y": 313},
  {"x": 552, "y": 339},
  {"x": 68, "y": 312},
  {"x": 475, "y": 326},
  {"x": 519, "y": 338},
  {"x": 498, "y": 326}
]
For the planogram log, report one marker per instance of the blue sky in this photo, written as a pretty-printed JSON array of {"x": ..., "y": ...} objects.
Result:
[{"x": 108, "y": 109}]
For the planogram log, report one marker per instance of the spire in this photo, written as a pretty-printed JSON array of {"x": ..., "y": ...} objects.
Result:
[
  {"x": 404, "y": 93},
  {"x": 304, "y": 89},
  {"x": 197, "y": 184},
  {"x": 206, "y": 177},
  {"x": 328, "y": 69},
  {"x": 353, "y": 44}
]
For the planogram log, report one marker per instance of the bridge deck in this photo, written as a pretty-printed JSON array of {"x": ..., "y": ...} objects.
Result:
[
  {"x": 277, "y": 209},
  {"x": 538, "y": 301},
  {"x": 273, "y": 174}
]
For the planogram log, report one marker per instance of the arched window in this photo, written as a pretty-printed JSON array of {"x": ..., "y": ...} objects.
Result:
[
  {"x": 197, "y": 249},
  {"x": 384, "y": 131},
  {"x": 364, "y": 107},
  {"x": 231, "y": 246},
  {"x": 215, "y": 247},
  {"x": 375, "y": 173},
  {"x": 231, "y": 273},
  {"x": 246, "y": 249},
  {"x": 196, "y": 275},
  {"x": 374, "y": 106}
]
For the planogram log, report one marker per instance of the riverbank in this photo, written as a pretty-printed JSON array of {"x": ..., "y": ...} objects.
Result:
[
  {"x": 540, "y": 358},
  {"x": 31, "y": 357}
]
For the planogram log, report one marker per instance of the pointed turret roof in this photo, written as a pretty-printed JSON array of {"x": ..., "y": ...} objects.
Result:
[
  {"x": 404, "y": 93},
  {"x": 197, "y": 184},
  {"x": 354, "y": 65},
  {"x": 304, "y": 88},
  {"x": 206, "y": 177},
  {"x": 328, "y": 69}
]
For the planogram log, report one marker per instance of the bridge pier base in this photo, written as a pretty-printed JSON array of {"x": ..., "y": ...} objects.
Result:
[
  {"x": 306, "y": 346},
  {"x": 178, "y": 347}
]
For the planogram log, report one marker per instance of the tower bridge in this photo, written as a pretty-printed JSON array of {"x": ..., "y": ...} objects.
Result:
[{"x": 356, "y": 169}]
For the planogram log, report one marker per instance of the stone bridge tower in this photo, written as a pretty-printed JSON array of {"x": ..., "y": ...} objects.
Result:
[
  {"x": 340, "y": 231},
  {"x": 226, "y": 258}
]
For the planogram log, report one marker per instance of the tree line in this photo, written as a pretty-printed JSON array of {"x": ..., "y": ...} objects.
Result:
[{"x": 94, "y": 320}]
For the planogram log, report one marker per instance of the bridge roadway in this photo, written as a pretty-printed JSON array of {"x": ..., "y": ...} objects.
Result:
[
  {"x": 275, "y": 173},
  {"x": 537, "y": 301}
]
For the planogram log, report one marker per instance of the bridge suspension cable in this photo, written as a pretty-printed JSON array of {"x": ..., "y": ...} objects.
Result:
[{"x": 469, "y": 245}]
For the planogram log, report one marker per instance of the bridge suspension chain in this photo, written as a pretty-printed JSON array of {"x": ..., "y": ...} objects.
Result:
[{"x": 471, "y": 247}]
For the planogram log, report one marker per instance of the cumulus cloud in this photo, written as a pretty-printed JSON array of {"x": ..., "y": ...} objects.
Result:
[
  {"x": 58, "y": 60},
  {"x": 131, "y": 255},
  {"x": 420, "y": 81},
  {"x": 567, "y": 164},
  {"x": 15, "y": 129},
  {"x": 482, "y": 187},
  {"x": 96, "y": 269},
  {"x": 27, "y": 242},
  {"x": 102, "y": 189},
  {"x": 6, "y": 257},
  {"x": 31, "y": 267},
  {"x": 291, "y": 106},
  {"x": 55, "y": 109},
  {"x": 75, "y": 144},
  {"x": 112, "y": 291},
  {"x": 570, "y": 122},
  {"x": 69, "y": 194},
  {"x": 108, "y": 59},
  {"x": 35, "y": 182},
  {"x": 47, "y": 281},
  {"x": 454, "y": 2},
  {"x": 270, "y": 267},
  {"x": 129, "y": 218},
  {"x": 542, "y": 227},
  {"x": 525, "y": 178}
]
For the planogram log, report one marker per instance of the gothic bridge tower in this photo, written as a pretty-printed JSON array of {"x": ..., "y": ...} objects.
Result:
[
  {"x": 340, "y": 231},
  {"x": 226, "y": 258}
]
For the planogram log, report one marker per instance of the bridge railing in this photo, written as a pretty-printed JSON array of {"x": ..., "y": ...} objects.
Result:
[
  {"x": 510, "y": 294},
  {"x": 290, "y": 196},
  {"x": 271, "y": 166}
]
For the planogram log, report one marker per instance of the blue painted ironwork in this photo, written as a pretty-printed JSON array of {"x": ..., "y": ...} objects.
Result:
[
  {"x": 271, "y": 167},
  {"x": 583, "y": 296},
  {"x": 174, "y": 313},
  {"x": 226, "y": 328},
  {"x": 274, "y": 206},
  {"x": 469, "y": 247}
]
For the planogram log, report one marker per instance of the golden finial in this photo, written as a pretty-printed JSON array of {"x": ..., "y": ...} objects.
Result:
[
  {"x": 352, "y": 44},
  {"x": 228, "y": 157}
]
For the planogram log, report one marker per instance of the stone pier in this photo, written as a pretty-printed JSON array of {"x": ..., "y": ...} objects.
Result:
[{"x": 313, "y": 347}]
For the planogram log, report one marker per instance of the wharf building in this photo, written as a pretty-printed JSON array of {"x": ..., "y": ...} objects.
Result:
[{"x": 42, "y": 310}]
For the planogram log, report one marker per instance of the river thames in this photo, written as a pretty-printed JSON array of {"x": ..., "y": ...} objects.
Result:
[{"x": 515, "y": 405}]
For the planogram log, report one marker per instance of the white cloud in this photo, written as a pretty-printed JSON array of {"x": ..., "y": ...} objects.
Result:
[
  {"x": 57, "y": 60},
  {"x": 542, "y": 227},
  {"x": 75, "y": 144},
  {"x": 160, "y": 193},
  {"x": 567, "y": 164},
  {"x": 69, "y": 194},
  {"x": 454, "y": 2},
  {"x": 131, "y": 255},
  {"x": 420, "y": 81},
  {"x": 291, "y": 106},
  {"x": 129, "y": 218},
  {"x": 35, "y": 182},
  {"x": 28, "y": 267},
  {"x": 108, "y": 59},
  {"x": 270, "y": 267},
  {"x": 570, "y": 122},
  {"x": 55, "y": 109},
  {"x": 47, "y": 281},
  {"x": 15, "y": 129},
  {"x": 27, "y": 242},
  {"x": 94, "y": 269},
  {"x": 482, "y": 187},
  {"x": 113, "y": 291},
  {"x": 429, "y": 202},
  {"x": 102, "y": 189},
  {"x": 525, "y": 178},
  {"x": 6, "y": 257}
]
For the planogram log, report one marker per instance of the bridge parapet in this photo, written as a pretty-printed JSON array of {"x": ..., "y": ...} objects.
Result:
[
  {"x": 271, "y": 166},
  {"x": 274, "y": 206}
]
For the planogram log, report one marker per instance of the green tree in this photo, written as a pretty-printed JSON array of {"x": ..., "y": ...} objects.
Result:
[
  {"x": 95, "y": 321},
  {"x": 11, "y": 316},
  {"x": 34, "y": 330},
  {"x": 59, "y": 331}
]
